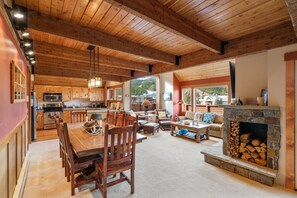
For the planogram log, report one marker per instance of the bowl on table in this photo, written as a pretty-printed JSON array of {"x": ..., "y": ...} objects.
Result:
[{"x": 92, "y": 127}]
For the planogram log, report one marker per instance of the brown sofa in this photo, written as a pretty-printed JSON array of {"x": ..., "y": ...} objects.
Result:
[{"x": 215, "y": 128}]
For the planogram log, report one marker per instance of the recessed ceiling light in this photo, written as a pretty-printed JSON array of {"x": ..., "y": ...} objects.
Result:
[
  {"x": 27, "y": 44},
  {"x": 30, "y": 52},
  {"x": 32, "y": 58},
  {"x": 18, "y": 15},
  {"x": 25, "y": 34},
  {"x": 33, "y": 62}
]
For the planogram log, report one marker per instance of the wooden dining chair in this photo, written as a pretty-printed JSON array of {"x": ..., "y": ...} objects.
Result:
[
  {"x": 78, "y": 116},
  {"x": 110, "y": 118},
  {"x": 118, "y": 158},
  {"x": 120, "y": 119},
  {"x": 61, "y": 142},
  {"x": 130, "y": 120},
  {"x": 75, "y": 164}
]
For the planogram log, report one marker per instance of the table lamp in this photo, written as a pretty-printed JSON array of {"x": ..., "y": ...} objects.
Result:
[{"x": 146, "y": 103}]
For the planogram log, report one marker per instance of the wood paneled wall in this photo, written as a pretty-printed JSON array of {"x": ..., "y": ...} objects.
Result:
[{"x": 13, "y": 150}]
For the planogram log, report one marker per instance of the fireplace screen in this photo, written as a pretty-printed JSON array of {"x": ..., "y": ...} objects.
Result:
[{"x": 248, "y": 141}]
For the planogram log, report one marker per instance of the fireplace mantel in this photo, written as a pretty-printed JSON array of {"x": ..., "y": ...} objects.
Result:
[{"x": 251, "y": 107}]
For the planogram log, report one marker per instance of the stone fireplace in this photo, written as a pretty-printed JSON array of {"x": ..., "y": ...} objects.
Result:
[{"x": 251, "y": 142}]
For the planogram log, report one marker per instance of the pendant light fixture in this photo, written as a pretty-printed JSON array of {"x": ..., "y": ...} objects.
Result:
[{"x": 94, "y": 79}]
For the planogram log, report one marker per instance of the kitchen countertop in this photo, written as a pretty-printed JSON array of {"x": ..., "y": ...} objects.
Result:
[{"x": 83, "y": 108}]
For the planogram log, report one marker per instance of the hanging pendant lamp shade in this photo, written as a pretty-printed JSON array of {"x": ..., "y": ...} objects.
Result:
[{"x": 94, "y": 80}]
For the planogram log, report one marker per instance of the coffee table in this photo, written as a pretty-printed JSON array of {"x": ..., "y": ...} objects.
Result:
[{"x": 198, "y": 129}]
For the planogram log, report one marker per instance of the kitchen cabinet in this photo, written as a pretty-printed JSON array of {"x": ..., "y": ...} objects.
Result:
[
  {"x": 67, "y": 116},
  {"x": 39, "y": 120},
  {"x": 67, "y": 93},
  {"x": 52, "y": 89},
  {"x": 96, "y": 94},
  {"x": 39, "y": 92},
  {"x": 80, "y": 92}
]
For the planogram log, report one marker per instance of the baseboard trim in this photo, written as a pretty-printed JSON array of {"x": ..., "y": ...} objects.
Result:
[{"x": 19, "y": 189}]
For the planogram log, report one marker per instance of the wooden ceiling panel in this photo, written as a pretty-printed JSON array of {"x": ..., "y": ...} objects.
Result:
[
  {"x": 59, "y": 81},
  {"x": 212, "y": 70},
  {"x": 227, "y": 19}
]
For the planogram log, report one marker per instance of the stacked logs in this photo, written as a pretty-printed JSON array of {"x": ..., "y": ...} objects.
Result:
[
  {"x": 252, "y": 150},
  {"x": 234, "y": 139}
]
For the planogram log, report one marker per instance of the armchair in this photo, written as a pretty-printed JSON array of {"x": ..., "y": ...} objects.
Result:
[{"x": 163, "y": 118}]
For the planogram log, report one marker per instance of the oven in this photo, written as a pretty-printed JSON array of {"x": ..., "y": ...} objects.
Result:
[
  {"x": 49, "y": 113},
  {"x": 52, "y": 97}
]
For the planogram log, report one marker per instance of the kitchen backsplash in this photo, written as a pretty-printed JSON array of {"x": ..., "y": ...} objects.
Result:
[{"x": 75, "y": 102}]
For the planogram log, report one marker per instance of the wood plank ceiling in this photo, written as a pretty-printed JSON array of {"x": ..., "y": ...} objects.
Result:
[{"x": 133, "y": 35}]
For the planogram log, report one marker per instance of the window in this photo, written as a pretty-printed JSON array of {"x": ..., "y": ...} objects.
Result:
[
  {"x": 118, "y": 93},
  {"x": 18, "y": 84},
  {"x": 143, "y": 88},
  {"x": 187, "y": 98},
  {"x": 217, "y": 95}
]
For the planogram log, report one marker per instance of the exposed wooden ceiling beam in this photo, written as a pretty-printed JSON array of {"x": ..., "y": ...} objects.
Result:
[
  {"x": 292, "y": 8},
  {"x": 56, "y": 51},
  {"x": 94, "y": 37},
  {"x": 65, "y": 73},
  {"x": 154, "y": 12},
  {"x": 75, "y": 66},
  {"x": 270, "y": 38}
]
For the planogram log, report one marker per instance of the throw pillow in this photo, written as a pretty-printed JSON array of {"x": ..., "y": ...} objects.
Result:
[
  {"x": 199, "y": 117},
  {"x": 161, "y": 114},
  {"x": 219, "y": 119},
  {"x": 208, "y": 117}
]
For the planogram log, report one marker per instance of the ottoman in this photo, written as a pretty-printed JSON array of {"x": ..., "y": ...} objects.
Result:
[
  {"x": 165, "y": 125},
  {"x": 151, "y": 127}
]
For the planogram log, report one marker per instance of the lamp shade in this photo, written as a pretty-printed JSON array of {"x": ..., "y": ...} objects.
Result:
[{"x": 146, "y": 103}]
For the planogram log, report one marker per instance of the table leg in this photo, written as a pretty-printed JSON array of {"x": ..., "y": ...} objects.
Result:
[
  {"x": 207, "y": 133},
  {"x": 171, "y": 130},
  {"x": 198, "y": 136}
]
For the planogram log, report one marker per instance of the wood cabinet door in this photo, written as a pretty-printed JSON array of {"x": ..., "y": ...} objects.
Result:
[
  {"x": 39, "y": 92},
  {"x": 101, "y": 93},
  {"x": 75, "y": 92},
  {"x": 85, "y": 92},
  {"x": 67, "y": 93},
  {"x": 39, "y": 120},
  {"x": 67, "y": 116}
]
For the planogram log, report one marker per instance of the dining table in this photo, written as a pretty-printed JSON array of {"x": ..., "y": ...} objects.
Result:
[{"x": 86, "y": 144}]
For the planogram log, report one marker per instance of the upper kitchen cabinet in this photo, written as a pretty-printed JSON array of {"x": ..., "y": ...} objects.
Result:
[
  {"x": 52, "y": 89},
  {"x": 67, "y": 93},
  {"x": 39, "y": 92},
  {"x": 80, "y": 92},
  {"x": 96, "y": 94}
]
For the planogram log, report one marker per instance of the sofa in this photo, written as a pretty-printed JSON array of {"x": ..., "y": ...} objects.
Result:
[{"x": 215, "y": 123}]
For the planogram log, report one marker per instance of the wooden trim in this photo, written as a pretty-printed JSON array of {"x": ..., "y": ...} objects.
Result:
[
  {"x": 290, "y": 56},
  {"x": 7, "y": 138},
  {"x": 277, "y": 36},
  {"x": 94, "y": 37},
  {"x": 290, "y": 124},
  {"x": 162, "y": 16},
  {"x": 208, "y": 81}
]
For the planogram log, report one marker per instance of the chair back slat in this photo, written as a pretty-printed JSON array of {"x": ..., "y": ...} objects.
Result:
[
  {"x": 120, "y": 119},
  {"x": 122, "y": 145},
  {"x": 68, "y": 147},
  {"x": 110, "y": 118},
  {"x": 78, "y": 116}
]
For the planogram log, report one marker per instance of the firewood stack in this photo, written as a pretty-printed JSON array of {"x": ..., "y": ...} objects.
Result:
[
  {"x": 234, "y": 139},
  {"x": 252, "y": 150}
]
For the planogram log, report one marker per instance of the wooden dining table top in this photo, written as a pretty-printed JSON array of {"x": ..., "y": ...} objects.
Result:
[{"x": 85, "y": 144}]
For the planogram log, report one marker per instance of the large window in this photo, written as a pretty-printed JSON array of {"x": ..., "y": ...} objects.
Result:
[
  {"x": 143, "y": 88},
  {"x": 217, "y": 95},
  {"x": 187, "y": 98}
]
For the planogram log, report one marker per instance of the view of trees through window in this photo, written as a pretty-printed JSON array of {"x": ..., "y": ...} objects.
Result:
[
  {"x": 211, "y": 95},
  {"x": 143, "y": 88}
]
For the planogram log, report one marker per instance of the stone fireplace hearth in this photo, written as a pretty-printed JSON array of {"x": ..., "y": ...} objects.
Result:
[{"x": 251, "y": 142}]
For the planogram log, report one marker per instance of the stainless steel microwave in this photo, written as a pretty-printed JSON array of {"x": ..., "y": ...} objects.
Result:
[{"x": 52, "y": 97}]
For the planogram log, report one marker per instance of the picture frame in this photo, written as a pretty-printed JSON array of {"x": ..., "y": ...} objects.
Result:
[
  {"x": 17, "y": 84},
  {"x": 167, "y": 96},
  {"x": 264, "y": 94}
]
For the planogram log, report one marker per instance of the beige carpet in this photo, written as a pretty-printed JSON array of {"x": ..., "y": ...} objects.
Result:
[{"x": 165, "y": 167}]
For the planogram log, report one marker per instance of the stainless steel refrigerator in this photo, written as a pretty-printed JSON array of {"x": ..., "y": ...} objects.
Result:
[{"x": 34, "y": 107}]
